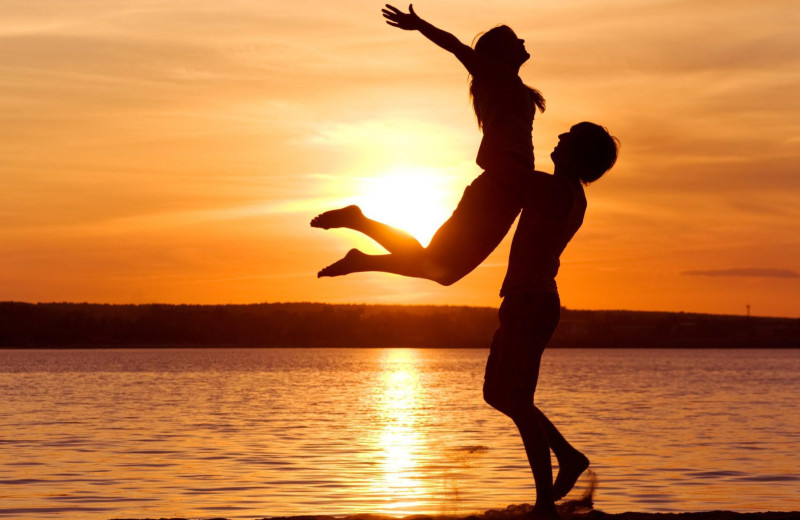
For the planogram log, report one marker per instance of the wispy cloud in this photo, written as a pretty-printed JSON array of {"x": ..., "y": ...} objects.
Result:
[
  {"x": 751, "y": 272},
  {"x": 194, "y": 140}
]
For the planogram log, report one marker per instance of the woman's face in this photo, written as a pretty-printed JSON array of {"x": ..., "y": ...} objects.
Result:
[
  {"x": 508, "y": 48},
  {"x": 515, "y": 48}
]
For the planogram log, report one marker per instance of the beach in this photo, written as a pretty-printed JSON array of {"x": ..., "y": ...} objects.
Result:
[{"x": 569, "y": 511}]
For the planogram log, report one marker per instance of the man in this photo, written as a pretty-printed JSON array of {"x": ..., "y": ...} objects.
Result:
[{"x": 553, "y": 207}]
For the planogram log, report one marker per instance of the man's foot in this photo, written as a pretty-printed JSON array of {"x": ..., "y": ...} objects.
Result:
[
  {"x": 336, "y": 218},
  {"x": 569, "y": 470},
  {"x": 351, "y": 263},
  {"x": 548, "y": 512}
]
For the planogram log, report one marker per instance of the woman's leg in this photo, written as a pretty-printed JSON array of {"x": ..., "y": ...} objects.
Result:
[
  {"x": 483, "y": 217},
  {"x": 390, "y": 238},
  {"x": 452, "y": 253},
  {"x": 416, "y": 265},
  {"x": 407, "y": 256},
  {"x": 455, "y": 250}
]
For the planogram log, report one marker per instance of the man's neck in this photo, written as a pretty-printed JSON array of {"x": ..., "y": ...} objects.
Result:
[{"x": 569, "y": 173}]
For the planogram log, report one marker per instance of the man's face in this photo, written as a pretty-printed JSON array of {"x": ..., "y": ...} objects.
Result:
[{"x": 565, "y": 147}]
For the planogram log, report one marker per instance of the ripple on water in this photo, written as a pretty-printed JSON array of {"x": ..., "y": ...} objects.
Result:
[{"x": 269, "y": 432}]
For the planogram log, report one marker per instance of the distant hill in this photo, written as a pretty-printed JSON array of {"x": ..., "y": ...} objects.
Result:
[{"x": 82, "y": 325}]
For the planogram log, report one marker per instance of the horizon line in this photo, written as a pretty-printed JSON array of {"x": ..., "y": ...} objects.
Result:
[{"x": 307, "y": 302}]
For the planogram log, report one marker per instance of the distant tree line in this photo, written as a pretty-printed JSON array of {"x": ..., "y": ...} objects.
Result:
[{"x": 82, "y": 325}]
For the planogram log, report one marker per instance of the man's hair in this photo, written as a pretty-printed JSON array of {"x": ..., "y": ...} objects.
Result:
[{"x": 598, "y": 150}]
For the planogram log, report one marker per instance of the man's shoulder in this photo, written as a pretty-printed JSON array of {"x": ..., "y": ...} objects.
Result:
[{"x": 554, "y": 195}]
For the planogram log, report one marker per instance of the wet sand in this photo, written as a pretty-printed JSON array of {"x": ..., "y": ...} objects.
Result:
[
  {"x": 581, "y": 508},
  {"x": 573, "y": 510},
  {"x": 592, "y": 515}
]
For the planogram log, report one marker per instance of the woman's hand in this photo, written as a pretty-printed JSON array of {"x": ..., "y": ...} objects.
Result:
[
  {"x": 411, "y": 22},
  {"x": 397, "y": 18}
]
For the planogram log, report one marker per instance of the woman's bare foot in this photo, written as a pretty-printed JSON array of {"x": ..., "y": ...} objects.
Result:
[
  {"x": 569, "y": 470},
  {"x": 346, "y": 217},
  {"x": 351, "y": 263}
]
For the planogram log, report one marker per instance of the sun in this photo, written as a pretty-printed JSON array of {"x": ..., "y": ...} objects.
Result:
[{"x": 414, "y": 199}]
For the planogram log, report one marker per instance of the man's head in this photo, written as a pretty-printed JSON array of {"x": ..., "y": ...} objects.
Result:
[{"x": 586, "y": 152}]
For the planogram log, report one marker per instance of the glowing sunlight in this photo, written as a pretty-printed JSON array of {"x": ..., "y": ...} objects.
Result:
[
  {"x": 399, "y": 439},
  {"x": 133, "y": 135},
  {"x": 416, "y": 200}
]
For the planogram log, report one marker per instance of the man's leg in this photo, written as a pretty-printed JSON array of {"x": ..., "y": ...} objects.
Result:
[
  {"x": 537, "y": 447},
  {"x": 526, "y": 323},
  {"x": 571, "y": 462}
]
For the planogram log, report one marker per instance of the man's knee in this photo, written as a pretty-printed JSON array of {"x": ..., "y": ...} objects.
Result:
[
  {"x": 491, "y": 396},
  {"x": 508, "y": 400}
]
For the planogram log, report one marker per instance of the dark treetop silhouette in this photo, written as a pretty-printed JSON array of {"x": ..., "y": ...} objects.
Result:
[{"x": 553, "y": 208}]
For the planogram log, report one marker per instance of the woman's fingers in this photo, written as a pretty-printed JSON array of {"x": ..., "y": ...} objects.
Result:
[{"x": 397, "y": 18}]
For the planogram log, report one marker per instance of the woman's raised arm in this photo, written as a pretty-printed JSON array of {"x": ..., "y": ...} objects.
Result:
[{"x": 412, "y": 22}]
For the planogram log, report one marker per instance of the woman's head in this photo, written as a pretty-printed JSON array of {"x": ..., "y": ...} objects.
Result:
[
  {"x": 502, "y": 44},
  {"x": 587, "y": 151}
]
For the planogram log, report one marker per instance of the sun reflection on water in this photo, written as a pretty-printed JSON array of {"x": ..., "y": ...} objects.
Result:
[
  {"x": 400, "y": 443},
  {"x": 195, "y": 433}
]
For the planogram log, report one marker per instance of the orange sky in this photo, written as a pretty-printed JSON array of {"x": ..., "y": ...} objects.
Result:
[{"x": 157, "y": 151}]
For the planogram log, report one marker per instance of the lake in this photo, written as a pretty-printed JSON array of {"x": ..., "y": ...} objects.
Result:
[{"x": 248, "y": 433}]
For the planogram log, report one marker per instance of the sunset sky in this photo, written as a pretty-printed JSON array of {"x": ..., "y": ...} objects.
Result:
[{"x": 174, "y": 151}]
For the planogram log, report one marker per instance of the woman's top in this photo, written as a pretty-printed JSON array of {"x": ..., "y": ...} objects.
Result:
[{"x": 507, "y": 112}]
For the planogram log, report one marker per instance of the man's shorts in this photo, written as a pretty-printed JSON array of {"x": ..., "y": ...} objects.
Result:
[{"x": 527, "y": 322}]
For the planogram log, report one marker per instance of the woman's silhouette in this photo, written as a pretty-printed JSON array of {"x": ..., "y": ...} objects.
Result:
[{"x": 505, "y": 108}]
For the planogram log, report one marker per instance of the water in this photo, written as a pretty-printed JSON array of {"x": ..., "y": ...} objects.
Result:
[{"x": 265, "y": 432}]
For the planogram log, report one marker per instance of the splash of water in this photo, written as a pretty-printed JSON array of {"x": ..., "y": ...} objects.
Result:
[{"x": 582, "y": 505}]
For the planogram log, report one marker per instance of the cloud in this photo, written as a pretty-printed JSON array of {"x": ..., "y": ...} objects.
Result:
[{"x": 752, "y": 272}]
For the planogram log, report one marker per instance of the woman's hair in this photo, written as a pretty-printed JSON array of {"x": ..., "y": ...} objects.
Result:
[
  {"x": 598, "y": 150},
  {"x": 494, "y": 44}
]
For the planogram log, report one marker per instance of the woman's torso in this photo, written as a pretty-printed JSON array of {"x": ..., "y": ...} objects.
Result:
[{"x": 507, "y": 112}]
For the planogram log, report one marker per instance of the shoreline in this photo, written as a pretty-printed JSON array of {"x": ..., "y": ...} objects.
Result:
[
  {"x": 569, "y": 510},
  {"x": 589, "y": 515}
]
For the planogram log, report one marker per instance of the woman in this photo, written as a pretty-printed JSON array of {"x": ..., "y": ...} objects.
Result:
[{"x": 505, "y": 108}]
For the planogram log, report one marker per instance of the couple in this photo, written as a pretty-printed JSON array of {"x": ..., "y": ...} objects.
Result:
[{"x": 552, "y": 209}]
